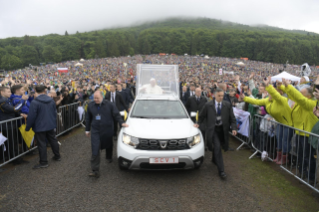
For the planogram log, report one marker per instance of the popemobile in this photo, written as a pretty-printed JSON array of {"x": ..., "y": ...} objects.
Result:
[{"x": 161, "y": 133}]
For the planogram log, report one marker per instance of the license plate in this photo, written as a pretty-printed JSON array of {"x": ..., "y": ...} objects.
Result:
[{"x": 164, "y": 160}]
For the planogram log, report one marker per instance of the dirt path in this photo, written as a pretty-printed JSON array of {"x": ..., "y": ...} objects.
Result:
[{"x": 251, "y": 185}]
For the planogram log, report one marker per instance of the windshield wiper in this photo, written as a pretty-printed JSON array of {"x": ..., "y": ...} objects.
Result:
[{"x": 140, "y": 117}]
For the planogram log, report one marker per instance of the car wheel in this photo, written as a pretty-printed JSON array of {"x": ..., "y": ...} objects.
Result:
[
  {"x": 198, "y": 167},
  {"x": 122, "y": 168}
]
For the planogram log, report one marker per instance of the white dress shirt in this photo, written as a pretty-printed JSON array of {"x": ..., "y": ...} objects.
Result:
[{"x": 113, "y": 94}]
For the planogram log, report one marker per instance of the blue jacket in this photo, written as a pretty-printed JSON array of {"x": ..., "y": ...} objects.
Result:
[
  {"x": 8, "y": 111},
  {"x": 42, "y": 114},
  {"x": 16, "y": 100}
]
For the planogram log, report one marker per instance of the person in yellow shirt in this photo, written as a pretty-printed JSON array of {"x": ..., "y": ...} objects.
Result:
[
  {"x": 277, "y": 106},
  {"x": 303, "y": 118}
]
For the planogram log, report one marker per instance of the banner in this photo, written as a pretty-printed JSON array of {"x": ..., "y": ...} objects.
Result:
[
  {"x": 220, "y": 71},
  {"x": 242, "y": 118}
]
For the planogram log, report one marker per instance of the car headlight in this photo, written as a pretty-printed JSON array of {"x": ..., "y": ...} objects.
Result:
[
  {"x": 130, "y": 140},
  {"x": 194, "y": 140}
]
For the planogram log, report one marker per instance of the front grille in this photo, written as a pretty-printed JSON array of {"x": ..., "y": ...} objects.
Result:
[
  {"x": 176, "y": 144},
  {"x": 162, "y": 166}
]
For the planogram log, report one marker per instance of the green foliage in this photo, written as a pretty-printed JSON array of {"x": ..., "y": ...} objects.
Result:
[
  {"x": 179, "y": 36},
  {"x": 29, "y": 54},
  {"x": 10, "y": 62},
  {"x": 51, "y": 54}
]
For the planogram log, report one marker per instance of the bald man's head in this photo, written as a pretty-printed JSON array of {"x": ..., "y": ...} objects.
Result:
[
  {"x": 198, "y": 92},
  {"x": 52, "y": 93},
  {"x": 184, "y": 88},
  {"x": 222, "y": 86},
  {"x": 98, "y": 97}
]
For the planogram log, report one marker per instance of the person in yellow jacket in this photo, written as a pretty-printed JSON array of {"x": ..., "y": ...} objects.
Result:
[
  {"x": 303, "y": 118},
  {"x": 277, "y": 106}
]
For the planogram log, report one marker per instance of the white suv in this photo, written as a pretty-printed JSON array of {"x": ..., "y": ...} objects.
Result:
[{"x": 161, "y": 134}]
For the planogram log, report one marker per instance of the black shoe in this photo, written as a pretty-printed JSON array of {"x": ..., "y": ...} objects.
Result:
[
  {"x": 109, "y": 160},
  {"x": 222, "y": 175},
  {"x": 39, "y": 166},
  {"x": 94, "y": 174},
  {"x": 231, "y": 149},
  {"x": 56, "y": 158}
]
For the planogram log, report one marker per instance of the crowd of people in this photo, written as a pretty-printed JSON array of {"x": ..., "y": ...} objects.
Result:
[{"x": 246, "y": 86}]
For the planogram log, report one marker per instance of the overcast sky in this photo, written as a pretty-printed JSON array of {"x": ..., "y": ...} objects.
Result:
[{"x": 41, "y": 17}]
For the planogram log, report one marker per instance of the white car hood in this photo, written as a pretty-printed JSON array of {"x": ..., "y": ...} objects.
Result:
[{"x": 160, "y": 128}]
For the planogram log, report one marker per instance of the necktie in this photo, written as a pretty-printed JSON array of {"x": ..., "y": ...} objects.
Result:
[
  {"x": 218, "y": 109},
  {"x": 112, "y": 97},
  {"x": 197, "y": 99}
]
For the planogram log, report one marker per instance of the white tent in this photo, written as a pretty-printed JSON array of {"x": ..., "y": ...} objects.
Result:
[
  {"x": 78, "y": 64},
  {"x": 229, "y": 72},
  {"x": 206, "y": 57},
  {"x": 240, "y": 64},
  {"x": 286, "y": 76},
  {"x": 82, "y": 59}
]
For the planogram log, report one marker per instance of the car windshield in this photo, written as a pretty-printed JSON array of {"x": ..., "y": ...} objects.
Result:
[{"x": 161, "y": 109}]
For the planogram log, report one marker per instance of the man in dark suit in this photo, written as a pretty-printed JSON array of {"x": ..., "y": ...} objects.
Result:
[
  {"x": 219, "y": 117},
  {"x": 124, "y": 94},
  {"x": 99, "y": 123},
  {"x": 196, "y": 104},
  {"x": 127, "y": 88},
  {"x": 192, "y": 90},
  {"x": 116, "y": 98},
  {"x": 223, "y": 86},
  {"x": 184, "y": 95}
]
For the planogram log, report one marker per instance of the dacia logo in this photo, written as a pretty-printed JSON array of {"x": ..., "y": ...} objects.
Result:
[{"x": 163, "y": 144}]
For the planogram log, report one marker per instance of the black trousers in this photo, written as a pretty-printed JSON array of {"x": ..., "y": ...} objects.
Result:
[
  {"x": 217, "y": 156},
  {"x": 42, "y": 145},
  {"x": 95, "y": 159},
  {"x": 109, "y": 151}
]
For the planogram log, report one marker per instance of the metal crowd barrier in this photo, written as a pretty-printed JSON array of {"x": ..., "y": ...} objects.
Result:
[
  {"x": 68, "y": 118},
  {"x": 244, "y": 139},
  {"x": 15, "y": 147},
  {"x": 301, "y": 156}
]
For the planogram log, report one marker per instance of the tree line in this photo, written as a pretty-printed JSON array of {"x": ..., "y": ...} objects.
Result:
[{"x": 193, "y": 36}]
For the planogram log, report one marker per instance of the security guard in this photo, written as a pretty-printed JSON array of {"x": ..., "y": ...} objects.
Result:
[{"x": 100, "y": 118}]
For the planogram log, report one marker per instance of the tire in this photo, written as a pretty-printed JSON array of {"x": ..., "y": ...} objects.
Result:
[
  {"x": 121, "y": 167},
  {"x": 198, "y": 167}
]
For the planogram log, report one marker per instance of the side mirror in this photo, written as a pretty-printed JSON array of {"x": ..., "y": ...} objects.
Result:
[{"x": 193, "y": 114}]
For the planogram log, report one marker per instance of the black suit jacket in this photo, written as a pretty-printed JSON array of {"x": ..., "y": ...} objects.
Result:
[
  {"x": 193, "y": 106},
  {"x": 207, "y": 116},
  {"x": 119, "y": 102},
  {"x": 185, "y": 97},
  {"x": 226, "y": 98}
]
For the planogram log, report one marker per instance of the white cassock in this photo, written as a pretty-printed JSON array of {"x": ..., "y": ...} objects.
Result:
[{"x": 149, "y": 89}]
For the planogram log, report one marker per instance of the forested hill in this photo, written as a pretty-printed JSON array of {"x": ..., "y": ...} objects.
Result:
[{"x": 175, "y": 35}]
